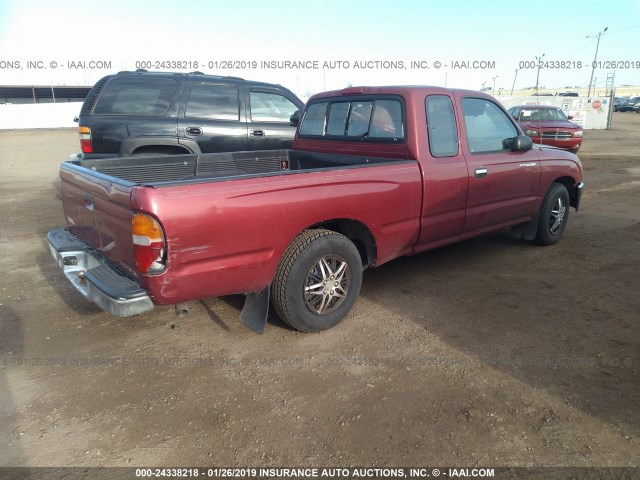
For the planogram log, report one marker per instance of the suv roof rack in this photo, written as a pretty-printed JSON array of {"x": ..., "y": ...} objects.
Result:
[{"x": 196, "y": 72}]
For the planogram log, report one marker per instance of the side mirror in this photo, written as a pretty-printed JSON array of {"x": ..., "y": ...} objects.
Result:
[
  {"x": 76, "y": 119},
  {"x": 294, "y": 119},
  {"x": 521, "y": 143},
  {"x": 570, "y": 117}
]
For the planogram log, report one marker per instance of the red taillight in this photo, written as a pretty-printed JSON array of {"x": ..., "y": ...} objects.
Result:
[
  {"x": 148, "y": 243},
  {"x": 85, "y": 139},
  {"x": 86, "y": 146}
]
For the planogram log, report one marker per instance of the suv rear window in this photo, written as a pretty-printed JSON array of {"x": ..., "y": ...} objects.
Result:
[
  {"x": 136, "y": 96},
  {"x": 375, "y": 119}
]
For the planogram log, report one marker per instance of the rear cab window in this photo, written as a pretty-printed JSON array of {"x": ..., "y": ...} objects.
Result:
[
  {"x": 371, "y": 118},
  {"x": 136, "y": 96}
]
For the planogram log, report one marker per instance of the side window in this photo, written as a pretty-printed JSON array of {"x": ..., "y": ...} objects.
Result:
[
  {"x": 215, "y": 102},
  {"x": 442, "y": 127},
  {"x": 270, "y": 107},
  {"x": 136, "y": 96},
  {"x": 314, "y": 119},
  {"x": 487, "y": 125}
]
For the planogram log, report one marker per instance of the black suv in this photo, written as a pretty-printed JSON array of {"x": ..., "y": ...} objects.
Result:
[{"x": 145, "y": 113}]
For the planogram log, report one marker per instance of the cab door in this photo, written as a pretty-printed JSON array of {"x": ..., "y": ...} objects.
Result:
[
  {"x": 212, "y": 116},
  {"x": 268, "y": 119},
  {"x": 503, "y": 185}
]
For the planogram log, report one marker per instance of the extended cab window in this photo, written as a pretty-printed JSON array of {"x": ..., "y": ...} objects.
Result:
[
  {"x": 441, "y": 125},
  {"x": 215, "y": 102},
  {"x": 270, "y": 107},
  {"x": 370, "y": 119},
  {"x": 136, "y": 96},
  {"x": 487, "y": 125}
]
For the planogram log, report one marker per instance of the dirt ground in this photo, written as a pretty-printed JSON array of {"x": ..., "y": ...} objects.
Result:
[{"x": 493, "y": 352}]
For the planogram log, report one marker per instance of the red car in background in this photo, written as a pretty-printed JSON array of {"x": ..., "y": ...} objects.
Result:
[{"x": 548, "y": 125}]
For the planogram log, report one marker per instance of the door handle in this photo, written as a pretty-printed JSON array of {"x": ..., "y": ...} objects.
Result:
[
  {"x": 481, "y": 172},
  {"x": 193, "y": 131},
  {"x": 257, "y": 133}
]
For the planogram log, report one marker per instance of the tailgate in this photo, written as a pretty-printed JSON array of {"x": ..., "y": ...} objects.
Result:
[{"x": 98, "y": 211}]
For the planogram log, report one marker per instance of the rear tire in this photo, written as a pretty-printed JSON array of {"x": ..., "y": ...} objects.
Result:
[
  {"x": 554, "y": 214},
  {"x": 318, "y": 280}
]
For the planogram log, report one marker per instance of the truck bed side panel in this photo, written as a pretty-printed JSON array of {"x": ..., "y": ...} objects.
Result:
[{"x": 228, "y": 237}]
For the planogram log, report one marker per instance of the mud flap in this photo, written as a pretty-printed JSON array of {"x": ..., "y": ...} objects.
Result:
[
  {"x": 528, "y": 230},
  {"x": 256, "y": 309}
]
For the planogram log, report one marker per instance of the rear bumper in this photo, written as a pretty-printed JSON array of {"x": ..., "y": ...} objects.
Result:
[{"x": 95, "y": 278}]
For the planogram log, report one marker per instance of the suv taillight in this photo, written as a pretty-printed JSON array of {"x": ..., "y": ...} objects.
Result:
[
  {"x": 85, "y": 139},
  {"x": 148, "y": 243}
]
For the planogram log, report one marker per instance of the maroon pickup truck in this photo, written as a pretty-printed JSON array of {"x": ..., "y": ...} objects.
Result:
[{"x": 375, "y": 173}]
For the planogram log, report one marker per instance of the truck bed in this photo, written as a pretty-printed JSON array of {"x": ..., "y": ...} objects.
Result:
[{"x": 170, "y": 170}]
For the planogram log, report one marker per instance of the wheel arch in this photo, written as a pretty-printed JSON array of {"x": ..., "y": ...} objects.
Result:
[
  {"x": 358, "y": 233},
  {"x": 572, "y": 188},
  {"x": 159, "y": 145}
]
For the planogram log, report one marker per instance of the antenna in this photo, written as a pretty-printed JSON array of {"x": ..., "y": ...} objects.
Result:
[{"x": 540, "y": 124}]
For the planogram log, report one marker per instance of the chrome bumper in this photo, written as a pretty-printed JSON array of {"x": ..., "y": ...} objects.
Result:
[{"x": 95, "y": 278}]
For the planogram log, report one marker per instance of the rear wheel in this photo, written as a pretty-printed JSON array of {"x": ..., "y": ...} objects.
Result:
[
  {"x": 554, "y": 214},
  {"x": 318, "y": 280}
]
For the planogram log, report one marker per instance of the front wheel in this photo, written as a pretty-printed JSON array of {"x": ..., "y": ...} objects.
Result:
[
  {"x": 554, "y": 214},
  {"x": 318, "y": 280}
]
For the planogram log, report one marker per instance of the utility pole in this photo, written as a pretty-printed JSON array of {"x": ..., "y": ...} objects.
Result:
[
  {"x": 593, "y": 65},
  {"x": 494, "y": 85},
  {"x": 539, "y": 62},
  {"x": 514, "y": 81}
]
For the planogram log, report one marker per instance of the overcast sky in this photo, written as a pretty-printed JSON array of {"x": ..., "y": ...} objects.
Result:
[{"x": 52, "y": 42}]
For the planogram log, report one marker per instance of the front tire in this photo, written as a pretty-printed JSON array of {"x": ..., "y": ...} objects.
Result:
[
  {"x": 317, "y": 281},
  {"x": 554, "y": 214}
]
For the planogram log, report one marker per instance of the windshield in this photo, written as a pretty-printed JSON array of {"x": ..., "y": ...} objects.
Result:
[{"x": 543, "y": 114}]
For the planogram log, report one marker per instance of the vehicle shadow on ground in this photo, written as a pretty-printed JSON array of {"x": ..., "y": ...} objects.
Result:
[
  {"x": 63, "y": 288},
  {"x": 233, "y": 305},
  {"x": 11, "y": 346},
  {"x": 532, "y": 313}
]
